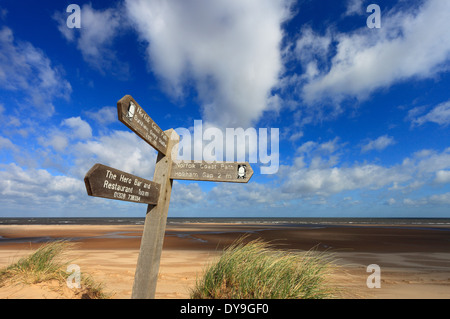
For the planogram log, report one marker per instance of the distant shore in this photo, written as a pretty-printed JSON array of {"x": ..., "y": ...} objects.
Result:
[
  {"x": 414, "y": 260},
  {"x": 226, "y": 220}
]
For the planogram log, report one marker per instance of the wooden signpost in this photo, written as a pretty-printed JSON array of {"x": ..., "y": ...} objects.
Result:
[{"x": 107, "y": 182}]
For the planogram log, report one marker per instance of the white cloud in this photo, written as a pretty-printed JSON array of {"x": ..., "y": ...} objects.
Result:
[
  {"x": 410, "y": 45},
  {"x": 26, "y": 70},
  {"x": 442, "y": 177},
  {"x": 410, "y": 202},
  {"x": 248, "y": 195},
  {"x": 330, "y": 146},
  {"x": 311, "y": 148},
  {"x": 437, "y": 199},
  {"x": 80, "y": 128},
  {"x": 427, "y": 162},
  {"x": 22, "y": 186},
  {"x": 440, "y": 199},
  {"x": 59, "y": 142},
  {"x": 318, "y": 171},
  {"x": 296, "y": 136},
  {"x": 440, "y": 114},
  {"x": 333, "y": 180},
  {"x": 235, "y": 61},
  {"x": 30, "y": 191},
  {"x": 71, "y": 130},
  {"x": 378, "y": 144},
  {"x": 319, "y": 155},
  {"x": 186, "y": 194},
  {"x": 317, "y": 174},
  {"x": 354, "y": 7},
  {"x": 307, "y": 147},
  {"x": 124, "y": 151},
  {"x": 391, "y": 201},
  {"x": 104, "y": 116},
  {"x": 311, "y": 48},
  {"x": 37, "y": 186},
  {"x": 94, "y": 39},
  {"x": 7, "y": 144}
]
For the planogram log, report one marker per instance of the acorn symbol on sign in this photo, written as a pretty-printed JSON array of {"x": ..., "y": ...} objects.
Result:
[
  {"x": 131, "y": 110},
  {"x": 242, "y": 169}
]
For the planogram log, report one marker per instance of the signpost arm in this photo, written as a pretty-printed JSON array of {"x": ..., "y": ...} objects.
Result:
[{"x": 155, "y": 225}]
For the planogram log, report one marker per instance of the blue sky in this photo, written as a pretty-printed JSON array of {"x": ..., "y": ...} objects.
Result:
[{"x": 363, "y": 113}]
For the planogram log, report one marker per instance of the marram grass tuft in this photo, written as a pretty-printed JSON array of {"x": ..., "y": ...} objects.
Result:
[
  {"x": 46, "y": 264},
  {"x": 256, "y": 271}
]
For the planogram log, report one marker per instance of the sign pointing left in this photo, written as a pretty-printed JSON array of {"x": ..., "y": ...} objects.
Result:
[
  {"x": 108, "y": 182},
  {"x": 133, "y": 115}
]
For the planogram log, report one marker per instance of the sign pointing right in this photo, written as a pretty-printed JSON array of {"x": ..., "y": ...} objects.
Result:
[{"x": 212, "y": 171}]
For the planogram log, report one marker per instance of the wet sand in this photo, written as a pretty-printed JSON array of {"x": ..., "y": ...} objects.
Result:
[{"x": 414, "y": 261}]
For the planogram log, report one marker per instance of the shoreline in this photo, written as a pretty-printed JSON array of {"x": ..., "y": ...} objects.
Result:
[
  {"x": 284, "y": 221},
  {"x": 415, "y": 263}
]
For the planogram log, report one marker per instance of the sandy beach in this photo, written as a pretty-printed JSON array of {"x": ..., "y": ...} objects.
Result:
[{"x": 414, "y": 261}]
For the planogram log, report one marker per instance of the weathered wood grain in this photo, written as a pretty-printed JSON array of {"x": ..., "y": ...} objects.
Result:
[{"x": 154, "y": 228}]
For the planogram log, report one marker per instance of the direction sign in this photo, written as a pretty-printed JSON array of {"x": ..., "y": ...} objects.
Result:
[
  {"x": 133, "y": 115},
  {"x": 107, "y": 182},
  {"x": 212, "y": 171}
]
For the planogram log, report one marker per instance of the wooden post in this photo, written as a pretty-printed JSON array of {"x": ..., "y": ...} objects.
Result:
[{"x": 147, "y": 268}]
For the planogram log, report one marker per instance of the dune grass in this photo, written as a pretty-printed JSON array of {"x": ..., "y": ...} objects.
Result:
[
  {"x": 45, "y": 264},
  {"x": 255, "y": 270}
]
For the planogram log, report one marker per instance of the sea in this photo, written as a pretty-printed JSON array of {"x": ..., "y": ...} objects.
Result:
[{"x": 262, "y": 221}]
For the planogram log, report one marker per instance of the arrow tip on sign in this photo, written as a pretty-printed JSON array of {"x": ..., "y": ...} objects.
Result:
[
  {"x": 123, "y": 103},
  {"x": 249, "y": 171},
  {"x": 87, "y": 176}
]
